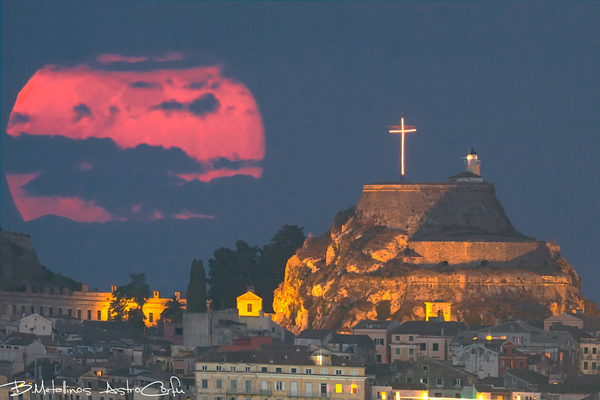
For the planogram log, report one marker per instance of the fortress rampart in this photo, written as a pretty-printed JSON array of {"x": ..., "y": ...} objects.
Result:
[
  {"x": 480, "y": 253},
  {"x": 425, "y": 209}
]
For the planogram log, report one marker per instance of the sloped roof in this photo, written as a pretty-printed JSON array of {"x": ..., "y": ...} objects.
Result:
[
  {"x": 364, "y": 324},
  {"x": 431, "y": 328},
  {"x": 527, "y": 375},
  {"x": 319, "y": 334},
  {"x": 249, "y": 296}
]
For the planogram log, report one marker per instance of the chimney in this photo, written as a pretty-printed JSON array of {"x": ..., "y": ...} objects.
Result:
[
  {"x": 113, "y": 288},
  {"x": 156, "y": 294},
  {"x": 85, "y": 288},
  {"x": 178, "y": 295},
  {"x": 250, "y": 289}
]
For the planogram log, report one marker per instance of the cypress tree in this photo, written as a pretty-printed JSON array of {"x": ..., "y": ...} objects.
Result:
[{"x": 196, "y": 293}]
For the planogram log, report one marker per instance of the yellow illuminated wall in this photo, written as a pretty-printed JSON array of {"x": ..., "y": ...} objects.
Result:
[
  {"x": 433, "y": 309},
  {"x": 249, "y": 305}
]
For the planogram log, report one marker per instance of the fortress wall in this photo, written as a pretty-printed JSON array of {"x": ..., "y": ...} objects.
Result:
[
  {"x": 468, "y": 252},
  {"x": 423, "y": 209}
]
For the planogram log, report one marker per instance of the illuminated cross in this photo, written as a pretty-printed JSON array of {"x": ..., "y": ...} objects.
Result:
[{"x": 402, "y": 129}]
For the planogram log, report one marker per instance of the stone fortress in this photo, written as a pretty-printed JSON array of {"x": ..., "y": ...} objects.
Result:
[
  {"x": 406, "y": 244},
  {"x": 56, "y": 302}
]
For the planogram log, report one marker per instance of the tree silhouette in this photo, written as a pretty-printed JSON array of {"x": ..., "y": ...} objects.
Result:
[
  {"x": 173, "y": 311},
  {"x": 196, "y": 292},
  {"x": 129, "y": 300}
]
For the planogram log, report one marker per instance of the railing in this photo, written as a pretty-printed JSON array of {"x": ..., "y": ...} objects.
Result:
[
  {"x": 311, "y": 395},
  {"x": 251, "y": 392}
]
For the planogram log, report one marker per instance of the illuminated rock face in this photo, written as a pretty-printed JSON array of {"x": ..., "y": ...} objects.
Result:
[{"x": 408, "y": 244}]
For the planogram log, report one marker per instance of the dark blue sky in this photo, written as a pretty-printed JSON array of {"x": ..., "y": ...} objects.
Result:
[{"x": 519, "y": 82}]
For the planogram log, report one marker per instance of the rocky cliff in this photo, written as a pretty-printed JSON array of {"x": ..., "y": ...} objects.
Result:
[
  {"x": 20, "y": 268},
  {"x": 406, "y": 244}
]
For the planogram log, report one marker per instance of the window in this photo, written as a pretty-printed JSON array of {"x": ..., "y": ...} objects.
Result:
[
  {"x": 457, "y": 382},
  {"x": 594, "y": 350},
  {"x": 397, "y": 351},
  {"x": 70, "y": 312},
  {"x": 425, "y": 380},
  {"x": 179, "y": 371},
  {"x": 278, "y": 370},
  {"x": 338, "y": 388},
  {"x": 99, "y": 315},
  {"x": 339, "y": 372},
  {"x": 247, "y": 369},
  {"x": 219, "y": 368},
  {"x": 435, "y": 347},
  {"x": 79, "y": 317},
  {"x": 205, "y": 368},
  {"x": 279, "y": 385},
  {"x": 411, "y": 352},
  {"x": 323, "y": 371},
  {"x": 59, "y": 311},
  {"x": 248, "y": 385},
  {"x": 264, "y": 369},
  {"x": 439, "y": 381},
  {"x": 293, "y": 370},
  {"x": 593, "y": 365},
  {"x": 411, "y": 338},
  {"x": 586, "y": 350},
  {"x": 585, "y": 365},
  {"x": 354, "y": 372},
  {"x": 308, "y": 371},
  {"x": 32, "y": 310},
  {"x": 50, "y": 310},
  {"x": 423, "y": 346},
  {"x": 397, "y": 338},
  {"x": 219, "y": 383},
  {"x": 409, "y": 379},
  {"x": 232, "y": 368},
  {"x": 89, "y": 314},
  {"x": 151, "y": 317},
  {"x": 521, "y": 364},
  {"x": 42, "y": 313},
  {"x": 512, "y": 351},
  {"x": 425, "y": 368},
  {"x": 233, "y": 385},
  {"x": 354, "y": 388},
  {"x": 378, "y": 358},
  {"x": 378, "y": 342},
  {"x": 249, "y": 307},
  {"x": 264, "y": 385}
]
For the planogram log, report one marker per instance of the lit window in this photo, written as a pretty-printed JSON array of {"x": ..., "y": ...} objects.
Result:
[
  {"x": 279, "y": 385},
  {"x": 354, "y": 388},
  {"x": 99, "y": 373},
  {"x": 338, "y": 388}
]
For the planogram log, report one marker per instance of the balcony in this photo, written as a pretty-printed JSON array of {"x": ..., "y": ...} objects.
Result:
[
  {"x": 251, "y": 392},
  {"x": 309, "y": 395}
]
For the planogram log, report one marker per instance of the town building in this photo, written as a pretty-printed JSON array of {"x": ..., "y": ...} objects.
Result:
[
  {"x": 278, "y": 374},
  {"x": 380, "y": 332},
  {"x": 83, "y": 304},
  {"x": 427, "y": 338}
]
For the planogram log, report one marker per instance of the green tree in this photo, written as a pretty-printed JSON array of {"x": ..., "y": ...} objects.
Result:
[
  {"x": 230, "y": 272},
  {"x": 274, "y": 257},
  {"x": 196, "y": 292},
  {"x": 173, "y": 311},
  {"x": 129, "y": 300}
]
